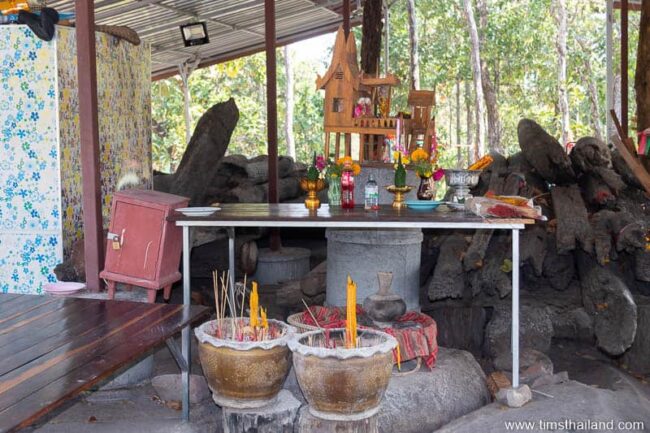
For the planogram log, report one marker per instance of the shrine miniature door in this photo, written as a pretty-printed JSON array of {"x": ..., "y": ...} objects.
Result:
[{"x": 143, "y": 248}]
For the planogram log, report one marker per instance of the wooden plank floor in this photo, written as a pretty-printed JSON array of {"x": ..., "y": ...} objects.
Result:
[{"x": 51, "y": 349}]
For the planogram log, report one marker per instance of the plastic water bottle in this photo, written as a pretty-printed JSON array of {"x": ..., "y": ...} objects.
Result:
[{"x": 371, "y": 194}]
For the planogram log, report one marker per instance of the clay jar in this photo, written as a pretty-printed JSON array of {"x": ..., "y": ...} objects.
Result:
[
  {"x": 244, "y": 375},
  {"x": 384, "y": 306},
  {"x": 343, "y": 384}
]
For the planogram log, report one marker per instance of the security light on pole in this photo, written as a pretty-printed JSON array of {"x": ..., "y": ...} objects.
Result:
[{"x": 195, "y": 34}]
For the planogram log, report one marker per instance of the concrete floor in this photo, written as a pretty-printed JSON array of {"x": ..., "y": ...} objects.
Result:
[
  {"x": 138, "y": 409},
  {"x": 133, "y": 410}
]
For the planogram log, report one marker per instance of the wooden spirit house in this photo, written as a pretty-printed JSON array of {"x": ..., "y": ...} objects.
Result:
[
  {"x": 344, "y": 84},
  {"x": 341, "y": 83}
]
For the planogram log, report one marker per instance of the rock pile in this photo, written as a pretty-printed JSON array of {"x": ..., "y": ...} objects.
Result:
[
  {"x": 585, "y": 272},
  {"x": 206, "y": 175}
]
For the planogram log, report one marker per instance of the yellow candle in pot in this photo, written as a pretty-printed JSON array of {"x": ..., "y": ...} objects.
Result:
[
  {"x": 265, "y": 321},
  {"x": 253, "y": 304},
  {"x": 399, "y": 358},
  {"x": 351, "y": 315}
]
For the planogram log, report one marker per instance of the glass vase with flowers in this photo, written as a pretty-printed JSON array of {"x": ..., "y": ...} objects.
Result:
[
  {"x": 343, "y": 171},
  {"x": 426, "y": 168}
]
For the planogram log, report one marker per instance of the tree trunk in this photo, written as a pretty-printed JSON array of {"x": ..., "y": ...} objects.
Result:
[
  {"x": 414, "y": 69},
  {"x": 494, "y": 128},
  {"x": 468, "y": 118},
  {"x": 459, "y": 155},
  {"x": 479, "y": 148},
  {"x": 288, "y": 112},
  {"x": 588, "y": 77},
  {"x": 560, "y": 14},
  {"x": 642, "y": 75},
  {"x": 185, "y": 87},
  {"x": 451, "y": 119},
  {"x": 371, "y": 36}
]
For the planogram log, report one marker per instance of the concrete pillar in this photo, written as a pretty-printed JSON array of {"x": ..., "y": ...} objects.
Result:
[{"x": 364, "y": 253}]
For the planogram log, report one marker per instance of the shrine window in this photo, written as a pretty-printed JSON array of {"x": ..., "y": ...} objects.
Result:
[{"x": 337, "y": 105}]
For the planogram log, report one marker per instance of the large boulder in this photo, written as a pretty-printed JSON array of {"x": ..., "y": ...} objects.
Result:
[
  {"x": 573, "y": 324},
  {"x": 535, "y": 330},
  {"x": 637, "y": 359},
  {"x": 423, "y": 401},
  {"x": 205, "y": 150},
  {"x": 544, "y": 153},
  {"x": 572, "y": 402},
  {"x": 460, "y": 327},
  {"x": 418, "y": 402},
  {"x": 608, "y": 300},
  {"x": 533, "y": 364}
]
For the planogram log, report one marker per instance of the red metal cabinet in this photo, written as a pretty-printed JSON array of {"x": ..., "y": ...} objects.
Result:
[{"x": 143, "y": 248}]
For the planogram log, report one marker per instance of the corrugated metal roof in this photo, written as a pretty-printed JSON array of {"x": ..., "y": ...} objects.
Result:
[{"x": 235, "y": 27}]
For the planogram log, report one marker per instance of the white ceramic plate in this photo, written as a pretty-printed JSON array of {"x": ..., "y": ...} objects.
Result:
[
  {"x": 63, "y": 288},
  {"x": 197, "y": 211}
]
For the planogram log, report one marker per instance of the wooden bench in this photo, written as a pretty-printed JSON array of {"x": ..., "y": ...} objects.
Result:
[{"x": 52, "y": 349}]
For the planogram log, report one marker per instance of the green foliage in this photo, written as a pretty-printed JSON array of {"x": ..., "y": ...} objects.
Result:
[{"x": 519, "y": 51}]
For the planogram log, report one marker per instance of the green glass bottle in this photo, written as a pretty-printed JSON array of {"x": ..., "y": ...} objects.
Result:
[
  {"x": 312, "y": 171},
  {"x": 400, "y": 173}
]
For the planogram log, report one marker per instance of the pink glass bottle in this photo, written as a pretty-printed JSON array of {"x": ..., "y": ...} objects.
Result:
[{"x": 347, "y": 189}]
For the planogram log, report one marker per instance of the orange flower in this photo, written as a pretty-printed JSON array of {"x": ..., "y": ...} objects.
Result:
[
  {"x": 356, "y": 169},
  {"x": 345, "y": 161},
  {"x": 419, "y": 154}
]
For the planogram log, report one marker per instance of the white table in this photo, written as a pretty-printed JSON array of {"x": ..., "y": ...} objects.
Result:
[{"x": 296, "y": 215}]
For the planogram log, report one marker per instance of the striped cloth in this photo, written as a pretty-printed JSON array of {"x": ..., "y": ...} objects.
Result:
[{"x": 415, "y": 332}]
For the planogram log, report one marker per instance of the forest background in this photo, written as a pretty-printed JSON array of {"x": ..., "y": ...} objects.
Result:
[{"x": 491, "y": 62}]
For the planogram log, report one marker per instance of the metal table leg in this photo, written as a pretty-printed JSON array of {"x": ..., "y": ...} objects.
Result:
[
  {"x": 185, "y": 333},
  {"x": 231, "y": 263},
  {"x": 515, "y": 308}
]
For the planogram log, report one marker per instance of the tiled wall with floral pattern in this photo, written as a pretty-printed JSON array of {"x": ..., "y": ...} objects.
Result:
[
  {"x": 30, "y": 199},
  {"x": 124, "y": 95},
  {"x": 40, "y": 172}
]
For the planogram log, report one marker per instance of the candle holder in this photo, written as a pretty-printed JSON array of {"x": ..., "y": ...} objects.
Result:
[
  {"x": 312, "y": 202},
  {"x": 399, "y": 191}
]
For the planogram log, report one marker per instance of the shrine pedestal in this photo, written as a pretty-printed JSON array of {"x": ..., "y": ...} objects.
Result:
[{"x": 364, "y": 253}]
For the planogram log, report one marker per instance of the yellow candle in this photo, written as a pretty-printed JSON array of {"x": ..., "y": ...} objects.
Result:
[
  {"x": 351, "y": 314},
  {"x": 254, "y": 302},
  {"x": 399, "y": 358},
  {"x": 265, "y": 321}
]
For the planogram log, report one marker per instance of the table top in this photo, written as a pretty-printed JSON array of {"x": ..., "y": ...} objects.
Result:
[
  {"x": 53, "y": 348},
  {"x": 296, "y": 215}
]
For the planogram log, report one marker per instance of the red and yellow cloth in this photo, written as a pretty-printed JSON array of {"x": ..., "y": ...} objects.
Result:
[{"x": 414, "y": 342}]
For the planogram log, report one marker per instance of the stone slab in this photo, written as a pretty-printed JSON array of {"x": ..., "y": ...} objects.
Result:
[{"x": 572, "y": 401}]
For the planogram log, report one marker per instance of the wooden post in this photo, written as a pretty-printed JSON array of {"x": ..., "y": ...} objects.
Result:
[
  {"x": 272, "y": 110},
  {"x": 346, "y": 17},
  {"x": 624, "y": 63},
  {"x": 89, "y": 138}
]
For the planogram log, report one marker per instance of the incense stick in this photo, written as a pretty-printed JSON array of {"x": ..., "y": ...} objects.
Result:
[{"x": 310, "y": 313}]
